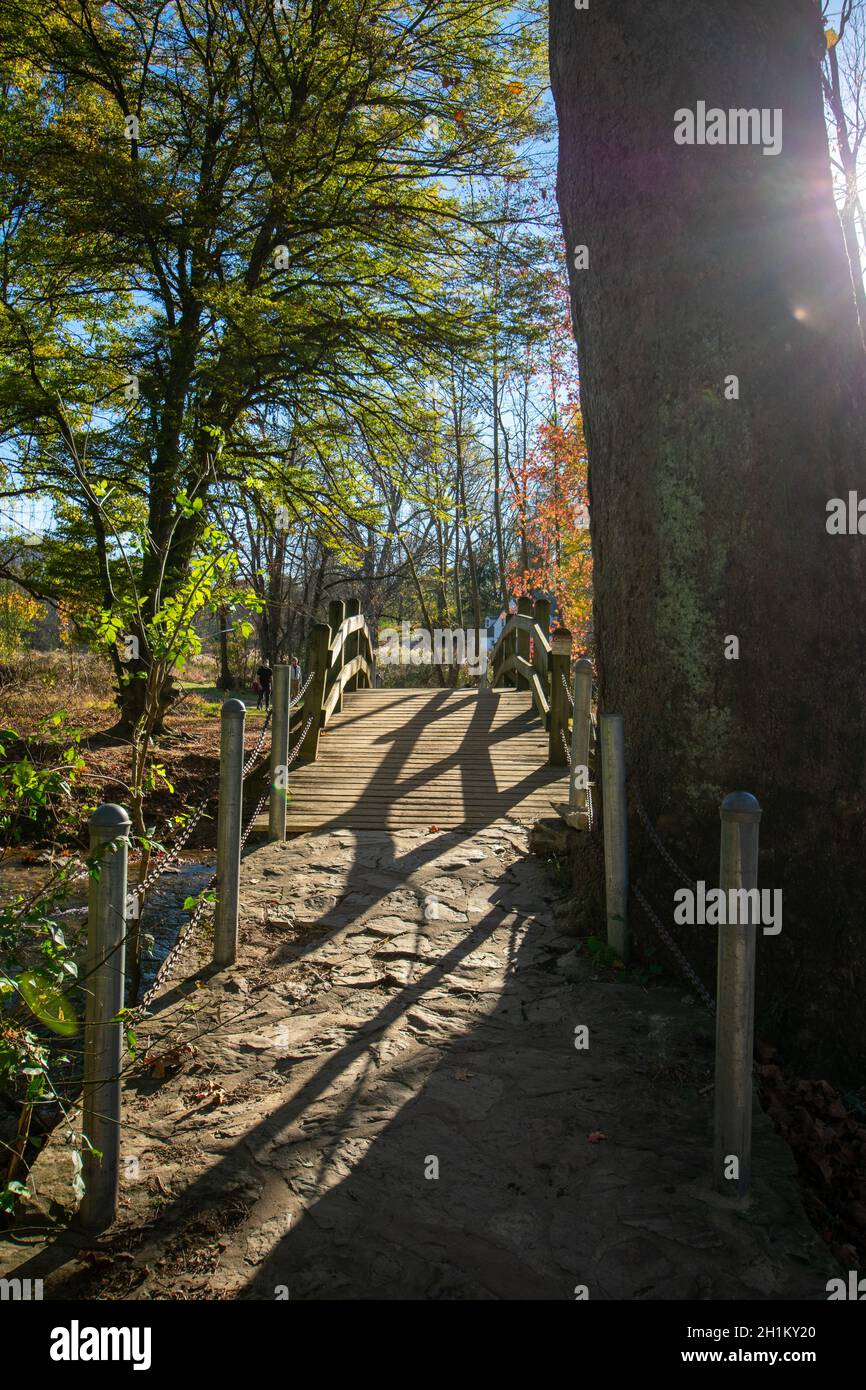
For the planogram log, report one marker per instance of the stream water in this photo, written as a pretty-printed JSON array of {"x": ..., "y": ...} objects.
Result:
[{"x": 163, "y": 916}]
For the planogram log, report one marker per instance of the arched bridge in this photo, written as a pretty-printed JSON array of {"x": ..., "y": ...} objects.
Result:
[{"x": 378, "y": 757}]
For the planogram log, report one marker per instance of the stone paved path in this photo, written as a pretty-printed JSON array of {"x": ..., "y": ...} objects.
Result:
[{"x": 392, "y": 1105}]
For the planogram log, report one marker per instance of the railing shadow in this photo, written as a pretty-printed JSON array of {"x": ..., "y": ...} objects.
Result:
[{"x": 483, "y": 801}]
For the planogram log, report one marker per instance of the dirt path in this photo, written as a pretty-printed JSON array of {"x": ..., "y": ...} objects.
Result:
[{"x": 386, "y": 1101}]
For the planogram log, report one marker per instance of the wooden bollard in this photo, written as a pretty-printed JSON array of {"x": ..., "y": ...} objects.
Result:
[
  {"x": 317, "y": 663},
  {"x": 560, "y": 667},
  {"x": 103, "y": 1039}
]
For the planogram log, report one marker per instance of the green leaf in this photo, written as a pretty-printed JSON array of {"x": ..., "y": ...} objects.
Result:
[{"x": 47, "y": 1003}]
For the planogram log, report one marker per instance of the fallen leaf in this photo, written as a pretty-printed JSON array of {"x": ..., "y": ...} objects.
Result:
[
  {"x": 161, "y": 1064},
  {"x": 95, "y": 1259}
]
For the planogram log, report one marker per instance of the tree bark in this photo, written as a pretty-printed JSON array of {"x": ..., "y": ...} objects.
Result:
[
  {"x": 226, "y": 679},
  {"x": 709, "y": 514},
  {"x": 497, "y": 486}
]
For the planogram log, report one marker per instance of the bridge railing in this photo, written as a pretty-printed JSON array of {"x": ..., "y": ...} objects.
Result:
[
  {"x": 531, "y": 658},
  {"x": 341, "y": 660}
]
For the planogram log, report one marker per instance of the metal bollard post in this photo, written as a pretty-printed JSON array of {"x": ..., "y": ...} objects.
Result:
[
  {"x": 735, "y": 1001},
  {"x": 280, "y": 701},
  {"x": 103, "y": 1040},
  {"x": 225, "y": 945},
  {"x": 615, "y": 832},
  {"x": 581, "y": 724}
]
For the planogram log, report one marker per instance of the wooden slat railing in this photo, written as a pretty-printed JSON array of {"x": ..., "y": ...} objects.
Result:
[
  {"x": 525, "y": 655},
  {"x": 341, "y": 659}
]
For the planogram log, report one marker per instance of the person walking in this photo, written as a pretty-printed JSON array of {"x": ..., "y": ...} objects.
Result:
[
  {"x": 265, "y": 676},
  {"x": 294, "y": 678}
]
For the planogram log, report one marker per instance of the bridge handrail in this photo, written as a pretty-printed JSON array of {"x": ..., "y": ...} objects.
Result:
[
  {"x": 538, "y": 664},
  {"x": 356, "y": 623},
  {"x": 526, "y": 622},
  {"x": 530, "y": 674},
  {"x": 340, "y": 659}
]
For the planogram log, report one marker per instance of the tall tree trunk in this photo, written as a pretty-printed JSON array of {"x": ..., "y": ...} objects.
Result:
[
  {"x": 709, "y": 514},
  {"x": 470, "y": 556},
  {"x": 497, "y": 486},
  {"x": 226, "y": 679}
]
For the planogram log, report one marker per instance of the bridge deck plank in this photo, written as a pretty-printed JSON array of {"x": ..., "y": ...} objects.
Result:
[{"x": 448, "y": 758}]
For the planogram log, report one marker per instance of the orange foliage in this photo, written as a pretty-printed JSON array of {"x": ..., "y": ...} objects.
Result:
[{"x": 549, "y": 490}]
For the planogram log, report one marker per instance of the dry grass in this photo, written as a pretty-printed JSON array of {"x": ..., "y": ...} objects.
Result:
[{"x": 45, "y": 685}]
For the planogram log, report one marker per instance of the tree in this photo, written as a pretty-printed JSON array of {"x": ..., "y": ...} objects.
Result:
[
  {"x": 18, "y": 616},
  {"x": 222, "y": 217},
  {"x": 550, "y": 496},
  {"x": 723, "y": 386}
]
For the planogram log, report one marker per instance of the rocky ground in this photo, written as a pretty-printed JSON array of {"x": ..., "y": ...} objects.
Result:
[{"x": 389, "y": 1097}]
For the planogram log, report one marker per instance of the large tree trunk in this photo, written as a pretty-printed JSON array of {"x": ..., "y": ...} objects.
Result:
[{"x": 708, "y": 514}]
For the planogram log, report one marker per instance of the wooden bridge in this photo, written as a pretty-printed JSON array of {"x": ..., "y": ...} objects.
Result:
[{"x": 388, "y": 758}]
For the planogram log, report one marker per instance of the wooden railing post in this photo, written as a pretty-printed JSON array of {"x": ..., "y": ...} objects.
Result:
[
  {"x": 103, "y": 1040},
  {"x": 560, "y": 669},
  {"x": 581, "y": 727},
  {"x": 509, "y": 645},
  {"x": 735, "y": 999},
  {"x": 541, "y": 614},
  {"x": 229, "y": 817},
  {"x": 371, "y": 656},
  {"x": 524, "y": 607},
  {"x": 353, "y": 641},
  {"x": 495, "y": 663},
  {"x": 612, "y": 740},
  {"x": 317, "y": 662},
  {"x": 336, "y": 614}
]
